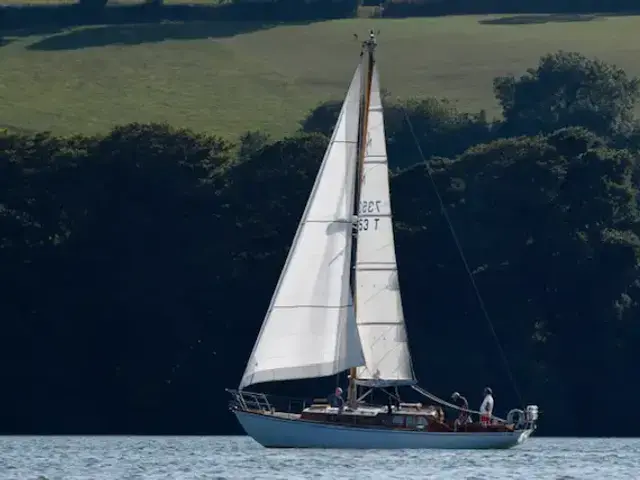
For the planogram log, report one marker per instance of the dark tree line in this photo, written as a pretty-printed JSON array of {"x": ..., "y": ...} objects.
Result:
[
  {"x": 137, "y": 265},
  {"x": 101, "y": 12},
  {"x": 430, "y": 8}
]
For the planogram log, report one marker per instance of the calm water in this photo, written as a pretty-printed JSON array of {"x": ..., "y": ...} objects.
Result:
[{"x": 177, "y": 458}]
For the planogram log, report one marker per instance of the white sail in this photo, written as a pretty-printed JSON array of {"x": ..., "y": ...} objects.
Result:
[
  {"x": 378, "y": 303},
  {"x": 310, "y": 329}
]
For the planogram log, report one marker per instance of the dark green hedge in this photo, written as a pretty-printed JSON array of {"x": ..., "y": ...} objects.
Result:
[{"x": 91, "y": 12}]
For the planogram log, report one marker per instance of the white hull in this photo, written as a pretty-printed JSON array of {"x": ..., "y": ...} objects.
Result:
[{"x": 277, "y": 432}]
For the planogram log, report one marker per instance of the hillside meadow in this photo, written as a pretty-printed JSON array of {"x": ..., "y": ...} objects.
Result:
[{"x": 226, "y": 78}]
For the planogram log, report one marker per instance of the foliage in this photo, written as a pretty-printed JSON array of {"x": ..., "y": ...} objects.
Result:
[
  {"x": 92, "y": 5},
  {"x": 569, "y": 89},
  {"x": 428, "y": 8},
  {"x": 97, "y": 12},
  {"x": 269, "y": 10},
  {"x": 137, "y": 267},
  {"x": 441, "y": 129},
  {"x": 550, "y": 227}
]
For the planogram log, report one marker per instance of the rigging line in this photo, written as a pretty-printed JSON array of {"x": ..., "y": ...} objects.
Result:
[
  {"x": 463, "y": 258},
  {"x": 452, "y": 406}
]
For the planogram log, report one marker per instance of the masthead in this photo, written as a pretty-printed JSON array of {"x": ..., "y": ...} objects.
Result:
[{"x": 370, "y": 44}]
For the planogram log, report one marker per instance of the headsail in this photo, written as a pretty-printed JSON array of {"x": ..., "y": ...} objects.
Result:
[
  {"x": 310, "y": 330},
  {"x": 379, "y": 310}
]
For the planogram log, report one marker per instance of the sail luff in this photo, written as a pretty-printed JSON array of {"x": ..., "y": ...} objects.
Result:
[
  {"x": 368, "y": 57},
  {"x": 379, "y": 311},
  {"x": 309, "y": 329}
]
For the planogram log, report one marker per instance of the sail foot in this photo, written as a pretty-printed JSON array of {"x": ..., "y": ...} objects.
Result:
[{"x": 373, "y": 383}]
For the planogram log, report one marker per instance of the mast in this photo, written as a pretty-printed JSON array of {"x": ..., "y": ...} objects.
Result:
[{"x": 368, "y": 51}]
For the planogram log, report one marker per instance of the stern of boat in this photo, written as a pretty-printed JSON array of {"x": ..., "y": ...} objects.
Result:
[{"x": 530, "y": 421}]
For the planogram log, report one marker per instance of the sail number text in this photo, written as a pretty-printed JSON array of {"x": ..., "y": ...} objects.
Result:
[
  {"x": 367, "y": 207},
  {"x": 370, "y": 206},
  {"x": 368, "y": 223}
]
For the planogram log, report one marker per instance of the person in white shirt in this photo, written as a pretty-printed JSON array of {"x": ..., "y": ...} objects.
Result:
[{"x": 486, "y": 409}]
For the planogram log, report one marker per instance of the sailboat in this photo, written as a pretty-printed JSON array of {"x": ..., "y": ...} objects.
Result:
[{"x": 337, "y": 307}]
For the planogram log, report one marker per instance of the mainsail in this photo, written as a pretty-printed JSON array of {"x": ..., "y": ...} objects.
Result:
[
  {"x": 310, "y": 329},
  {"x": 379, "y": 311}
]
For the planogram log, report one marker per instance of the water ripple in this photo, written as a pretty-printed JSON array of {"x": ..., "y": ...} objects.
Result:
[{"x": 200, "y": 458}]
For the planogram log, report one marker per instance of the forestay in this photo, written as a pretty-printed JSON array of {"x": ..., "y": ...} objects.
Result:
[
  {"x": 379, "y": 311},
  {"x": 310, "y": 329}
]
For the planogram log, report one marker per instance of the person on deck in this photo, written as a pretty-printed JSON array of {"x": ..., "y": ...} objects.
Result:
[
  {"x": 463, "y": 415},
  {"x": 486, "y": 409},
  {"x": 441, "y": 417},
  {"x": 336, "y": 399}
]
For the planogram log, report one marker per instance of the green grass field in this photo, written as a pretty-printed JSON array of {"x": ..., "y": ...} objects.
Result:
[{"x": 226, "y": 78}]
